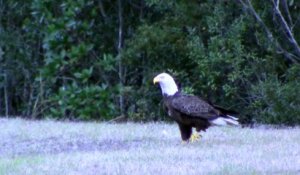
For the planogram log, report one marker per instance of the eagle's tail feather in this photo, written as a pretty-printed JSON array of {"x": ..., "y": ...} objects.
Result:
[{"x": 224, "y": 121}]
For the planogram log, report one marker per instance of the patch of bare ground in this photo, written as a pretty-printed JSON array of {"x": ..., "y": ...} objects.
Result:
[{"x": 54, "y": 145}]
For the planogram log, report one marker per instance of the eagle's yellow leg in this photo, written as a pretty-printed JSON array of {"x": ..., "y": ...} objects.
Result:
[{"x": 195, "y": 137}]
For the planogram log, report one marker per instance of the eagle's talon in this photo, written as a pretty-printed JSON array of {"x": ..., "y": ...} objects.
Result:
[
  {"x": 195, "y": 137},
  {"x": 184, "y": 142}
]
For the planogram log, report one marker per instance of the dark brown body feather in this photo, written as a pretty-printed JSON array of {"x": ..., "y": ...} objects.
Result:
[{"x": 190, "y": 111}]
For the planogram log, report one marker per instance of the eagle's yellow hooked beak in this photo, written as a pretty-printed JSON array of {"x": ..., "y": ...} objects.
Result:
[{"x": 155, "y": 80}]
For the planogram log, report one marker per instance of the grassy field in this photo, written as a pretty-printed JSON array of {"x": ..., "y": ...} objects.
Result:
[{"x": 49, "y": 147}]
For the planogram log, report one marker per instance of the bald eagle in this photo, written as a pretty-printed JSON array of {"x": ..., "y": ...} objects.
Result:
[{"x": 191, "y": 111}]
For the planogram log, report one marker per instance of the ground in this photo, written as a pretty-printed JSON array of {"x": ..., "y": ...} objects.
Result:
[{"x": 50, "y": 147}]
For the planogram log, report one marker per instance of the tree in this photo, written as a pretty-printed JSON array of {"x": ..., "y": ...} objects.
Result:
[
  {"x": 95, "y": 59},
  {"x": 283, "y": 39}
]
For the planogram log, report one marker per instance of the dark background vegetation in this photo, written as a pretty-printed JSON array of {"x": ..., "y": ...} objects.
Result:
[{"x": 95, "y": 59}]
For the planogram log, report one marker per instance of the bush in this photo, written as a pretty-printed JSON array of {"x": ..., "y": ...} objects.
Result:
[
  {"x": 276, "y": 101},
  {"x": 83, "y": 103}
]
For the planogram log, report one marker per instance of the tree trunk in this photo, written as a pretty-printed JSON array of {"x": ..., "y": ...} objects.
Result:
[
  {"x": 120, "y": 64},
  {"x": 6, "y": 95}
]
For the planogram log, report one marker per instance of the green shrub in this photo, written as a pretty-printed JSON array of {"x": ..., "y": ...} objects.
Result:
[
  {"x": 276, "y": 101},
  {"x": 83, "y": 103}
]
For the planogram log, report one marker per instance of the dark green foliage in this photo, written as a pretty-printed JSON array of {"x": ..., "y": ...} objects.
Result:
[
  {"x": 89, "y": 102},
  {"x": 277, "y": 102},
  {"x": 62, "y": 59}
]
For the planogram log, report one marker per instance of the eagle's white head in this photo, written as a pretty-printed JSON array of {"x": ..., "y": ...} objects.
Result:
[{"x": 166, "y": 83}]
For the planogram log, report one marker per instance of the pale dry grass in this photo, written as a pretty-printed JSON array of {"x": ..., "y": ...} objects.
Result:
[{"x": 48, "y": 147}]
